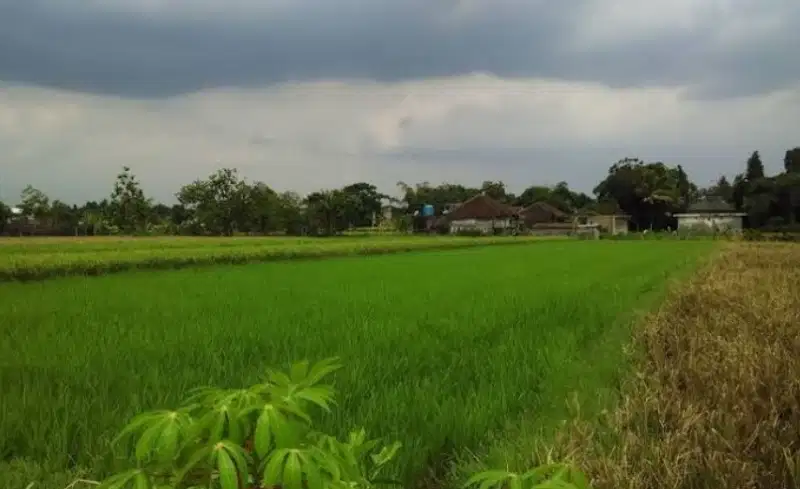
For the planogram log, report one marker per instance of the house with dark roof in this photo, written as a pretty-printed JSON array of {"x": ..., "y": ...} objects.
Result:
[
  {"x": 542, "y": 213},
  {"x": 482, "y": 214},
  {"x": 713, "y": 214}
]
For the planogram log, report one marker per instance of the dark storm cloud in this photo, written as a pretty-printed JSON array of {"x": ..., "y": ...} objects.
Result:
[{"x": 137, "y": 55}]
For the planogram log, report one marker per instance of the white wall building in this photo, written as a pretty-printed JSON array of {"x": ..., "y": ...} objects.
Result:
[{"x": 711, "y": 215}]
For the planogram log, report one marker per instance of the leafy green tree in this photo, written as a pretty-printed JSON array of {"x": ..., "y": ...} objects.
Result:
[
  {"x": 722, "y": 189},
  {"x": 65, "y": 219},
  {"x": 495, "y": 190},
  {"x": 328, "y": 211},
  {"x": 128, "y": 209},
  {"x": 218, "y": 204},
  {"x": 292, "y": 217},
  {"x": 438, "y": 196},
  {"x": 533, "y": 194},
  {"x": 263, "y": 209},
  {"x": 738, "y": 191},
  {"x": 34, "y": 203},
  {"x": 649, "y": 192},
  {"x": 365, "y": 203}
]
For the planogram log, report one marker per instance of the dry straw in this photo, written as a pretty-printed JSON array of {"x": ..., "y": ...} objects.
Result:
[{"x": 716, "y": 400}]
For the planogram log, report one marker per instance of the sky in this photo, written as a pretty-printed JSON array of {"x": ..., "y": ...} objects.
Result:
[{"x": 311, "y": 94}]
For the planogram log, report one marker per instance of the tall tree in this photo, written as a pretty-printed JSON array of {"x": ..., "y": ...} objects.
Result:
[
  {"x": 649, "y": 192},
  {"x": 129, "y": 208},
  {"x": 495, "y": 190},
  {"x": 291, "y": 214},
  {"x": 365, "y": 203},
  {"x": 216, "y": 204},
  {"x": 34, "y": 203},
  {"x": 327, "y": 211},
  {"x": 263, "y": 209},
  {"x": 791, "y": 160},
  {"x": 722, "y": 189},
  {"x": 755, "y": 168},
  {"x": 5, "y": 215},
  {"x": 738, "y": 191}
]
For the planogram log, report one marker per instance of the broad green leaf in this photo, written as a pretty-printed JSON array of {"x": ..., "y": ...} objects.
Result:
[
  {"x": 297, "y": 412},
  {"x": 298, "y": 372},
  {"x": 202, "y": 454},
  {"x": 148, "y": 441},
  {"x": 137, "y": 424},
  {"x": 292, "y": 472},
  {"x": 228, "y": 475},
  {"x": 273, "y": 470},
  {"x": 279, "y": 378},
  {"x": 541, "y": 473},
  {"x": 321, "y": 396},
  {"x": 314, "y": 479},
  {"x": 131, "y": 479},
  {"x": 321, "y": 370},
  {"x": 262, "y": 438},
  {"x": 488, "y": 479}
]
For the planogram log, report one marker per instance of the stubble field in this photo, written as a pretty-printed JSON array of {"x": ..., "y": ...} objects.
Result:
[{"x": 443, "y": 350}]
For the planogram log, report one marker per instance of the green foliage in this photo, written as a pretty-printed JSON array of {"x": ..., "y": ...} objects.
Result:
[
  {"x": 128, "y": 208},
  {"x": 436, "y": 343},
  {"x": 34, "y": 203},
  {"x": 256, "y": 437},
  {"x": 263, "y": 437},
  {"x": 791, "y": 160},
  {"x": 755, "y": 168}
]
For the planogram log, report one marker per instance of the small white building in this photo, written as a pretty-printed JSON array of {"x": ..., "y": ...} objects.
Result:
[{"x": 711, "y": 215}]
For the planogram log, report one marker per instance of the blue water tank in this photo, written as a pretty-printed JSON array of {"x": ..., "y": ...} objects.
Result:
[{"x": 427, "y": 210}]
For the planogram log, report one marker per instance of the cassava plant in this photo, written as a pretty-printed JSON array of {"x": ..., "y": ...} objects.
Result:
[
  {"x": 262, "y": 437},
  {"x": 252, "y": 438}
]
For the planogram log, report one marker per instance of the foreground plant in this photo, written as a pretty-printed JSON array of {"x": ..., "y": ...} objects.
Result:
[{"x": 261, "y": 437}]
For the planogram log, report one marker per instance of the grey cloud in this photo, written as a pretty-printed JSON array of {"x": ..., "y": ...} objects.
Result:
[{"x": 89, "y": 50}]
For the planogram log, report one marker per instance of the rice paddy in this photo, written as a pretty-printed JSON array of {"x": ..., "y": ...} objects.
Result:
[
  {"x": 36, "y": 259},
  {"x": 444, "y": 350}
]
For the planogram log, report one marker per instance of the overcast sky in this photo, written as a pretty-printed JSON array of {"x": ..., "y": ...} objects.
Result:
[{"x": 309, "y": 94}]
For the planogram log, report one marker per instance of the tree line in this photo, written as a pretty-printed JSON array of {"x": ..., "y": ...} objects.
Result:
[{"x": 225, "y": 203}]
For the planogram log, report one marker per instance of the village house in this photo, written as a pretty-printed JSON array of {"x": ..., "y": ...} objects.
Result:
[
  {"x": 542, "y": 213},
  {"x": 481, "y": 214},
  {"x": 712, "y": 214}
]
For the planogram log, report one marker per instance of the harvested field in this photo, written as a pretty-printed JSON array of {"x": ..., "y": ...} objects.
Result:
[
  {"x": 441, "y": 349},
  {"x": 716, "y": 403}
]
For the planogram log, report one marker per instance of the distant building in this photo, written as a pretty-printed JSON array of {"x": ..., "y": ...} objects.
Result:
[
  {"x": 712, "y": 214},
  {"x": 481, "y": 214},
  {"x": 610, "y": 223}
]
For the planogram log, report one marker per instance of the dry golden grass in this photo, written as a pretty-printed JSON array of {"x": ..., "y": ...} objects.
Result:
[{"x": 716, "y": 399}]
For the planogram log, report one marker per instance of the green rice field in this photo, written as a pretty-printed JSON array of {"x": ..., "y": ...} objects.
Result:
[
  {"x": 446, "y": 350},
  {"x": 36, "y": 259}
]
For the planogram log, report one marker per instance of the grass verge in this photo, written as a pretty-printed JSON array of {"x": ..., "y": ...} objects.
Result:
[{"x": 716, "y": 399}]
